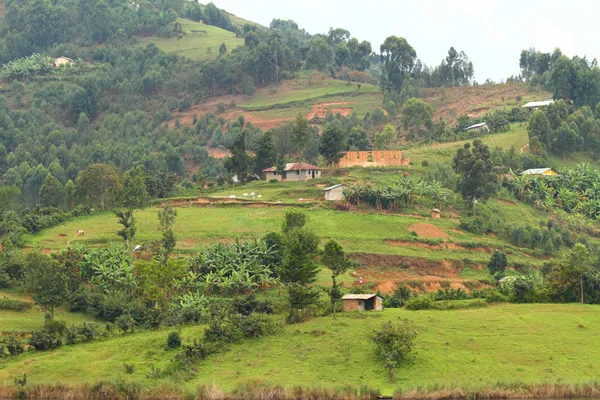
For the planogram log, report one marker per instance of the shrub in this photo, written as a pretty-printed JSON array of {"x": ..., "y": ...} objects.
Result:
[
  {"x": 129, "y": 368},
  {"x": 400, "y": 296},
  {"x": 173, "y": 340},
  {"x": 257, "y": 325},
  {"x": 419, "y": 303},
  {"x": 45, "y": 340},
  {"x": 4, "y": 280},
  {"x": 394, "y": 343},
  {"x": 425, "y": 163},
  {"x": 273, "y": 181},
  {"x": 10, "y": 346},
  {"x": 247, "y": 305},
  {"x": 13, "y": 304},
  {"x": 459, "y": 304},
  {"x": 221, "y": 108},
  {"x": 125, "y": 323}
]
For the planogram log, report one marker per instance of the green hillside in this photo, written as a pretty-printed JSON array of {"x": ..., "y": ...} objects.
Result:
[
  {"x": 200, "y": 42},
  {"x": 468, "y": 349}
]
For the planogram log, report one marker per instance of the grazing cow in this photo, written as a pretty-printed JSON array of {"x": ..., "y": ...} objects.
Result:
[{"x": 80, "y": 232}]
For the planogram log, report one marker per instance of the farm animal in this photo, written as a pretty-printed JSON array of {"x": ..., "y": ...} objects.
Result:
[{"x": 80, "y": 232}]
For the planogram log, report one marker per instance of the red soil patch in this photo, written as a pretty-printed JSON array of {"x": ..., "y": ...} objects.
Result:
[
  {"x": 427, "y": 231},
  {"x": 215, "y": 152},
  {"x": 62, "y": 235},
  {"x": 441, "y": 246},
  {"x": 320, "y": 110}
]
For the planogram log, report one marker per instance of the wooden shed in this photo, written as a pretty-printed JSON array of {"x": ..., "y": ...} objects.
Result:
[{"x": 362, "y": 302}]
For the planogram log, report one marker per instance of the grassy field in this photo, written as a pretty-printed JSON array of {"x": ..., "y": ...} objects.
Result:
[
  {"x": 200, "y": 42},
  {"x": 32, "y": 319},
  {"x": 444, "y": 152},
  {"x": 462, "y": 348},
  {"x": 305, "y": 87},
  {"x": 358, "y": 232}
]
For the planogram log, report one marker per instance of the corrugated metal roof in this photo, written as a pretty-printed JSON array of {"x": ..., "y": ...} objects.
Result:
[
  {"x": 302, "y": 166},
  {"x": 543, "y": 103},
  {"x": 332, "y": 187},
  {"x": 536, "y": 171},
  {"x": 358, "y": 296},
  {"x": 482, "y": 124}
]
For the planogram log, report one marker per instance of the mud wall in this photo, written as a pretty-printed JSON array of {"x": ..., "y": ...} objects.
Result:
[{"x": 376, "y": 158}]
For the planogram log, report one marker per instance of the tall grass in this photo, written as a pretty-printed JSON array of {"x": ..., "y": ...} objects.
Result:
[{"x": 258, "y": 390}]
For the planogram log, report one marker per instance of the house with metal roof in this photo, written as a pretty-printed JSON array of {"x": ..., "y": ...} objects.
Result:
[
  {"x": 540, "y": 171},
  {"x": 362, "y": 302},
  {"x": 335, "y": 192},
  {"x": 481, "y": 127},
  {"x": 538, "y": 104},
  {"x": 299, "y": 171}
]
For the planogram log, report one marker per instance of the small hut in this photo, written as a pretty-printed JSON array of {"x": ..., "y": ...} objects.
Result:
[
  {"x": 362, "y": 302},
  {"x": 436, "y": 213},
  {"x": 335, "y": 192}
]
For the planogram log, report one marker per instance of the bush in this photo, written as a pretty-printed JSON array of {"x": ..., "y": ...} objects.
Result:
[
  {"x": 423, "y": 302},
  {"x": 4, "y": 280},
  {"x": 45, "y": 340},
  {"x": 257, "y": 325},
  {"x": 246, "y": 305},
  {"x": 425, "y": 163},
  {"x": 400, "y": 296},
  {"x": 10, "y": 346},
  {"x": 125, "y": 323},
  {"x": 394, "y": 343},
  {"x": 459, "y": 304},
  {"x": 173, "y": 340},
  {"x": 221, "y": 108},
  {"x": 273, "y": 181},
  {"x": 129, "y": 368},
  {"x": 13, "y": 304}
]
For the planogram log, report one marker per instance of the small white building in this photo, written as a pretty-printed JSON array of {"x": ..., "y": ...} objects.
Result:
[
  {"x": 300, "y": 171},
  {"x": 335, "y": 192},
  {"x": 482, "y": 127}
]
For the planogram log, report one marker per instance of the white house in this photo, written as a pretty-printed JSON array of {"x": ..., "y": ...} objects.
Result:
[
  {"x": 300, "y": 171},
  {"x": 540, "y": 171},
  {"x": 335, "y": 192}
]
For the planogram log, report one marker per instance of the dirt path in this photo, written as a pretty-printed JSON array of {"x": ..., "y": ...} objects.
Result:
[{"x": 523, "y": 148}]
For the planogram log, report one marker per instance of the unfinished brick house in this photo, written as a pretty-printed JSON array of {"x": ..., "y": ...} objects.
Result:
[{"x": 375, "y": 158}]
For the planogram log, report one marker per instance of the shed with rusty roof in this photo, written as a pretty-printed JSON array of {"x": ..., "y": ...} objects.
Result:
[{"x": 362, "y": 302}]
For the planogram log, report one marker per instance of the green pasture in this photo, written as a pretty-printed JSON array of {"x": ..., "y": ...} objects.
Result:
[
  {"x": 470, "y": 349},
  {"x": 201, "y": 41}
]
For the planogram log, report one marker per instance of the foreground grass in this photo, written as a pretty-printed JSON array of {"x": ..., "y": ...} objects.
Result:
[
  {"x": 470, "y": 349},
  {"x": 201, "y": 41}
]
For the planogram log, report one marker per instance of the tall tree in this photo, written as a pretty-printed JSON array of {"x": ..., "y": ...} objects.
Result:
[
  {"x": 417, "y": 117},
  {"x": 135, "y": 194},
  {"x": 265, "y": 153},
  {"x": 46, "y": 280},
  {"x": 96, "y": 181},
  {"x": 539, "y": 128},
  {"x": 332, "y": 144},
  {"x": 299, "y": 269},
  {"x": 570, "y": 270},
  {"x": 319, "y": 55},
  {"x": 334, "y": 258},
  {"x": 477, "y": 180},
  {"x": 166, "y": 218},
  {"x": 239, "y": 162},
  {"x": 398, "y": 58},
  {"x": 51, "y": 192},
  {"x": 300, "y": 134},
  {"x": 127, "y": 221}
]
